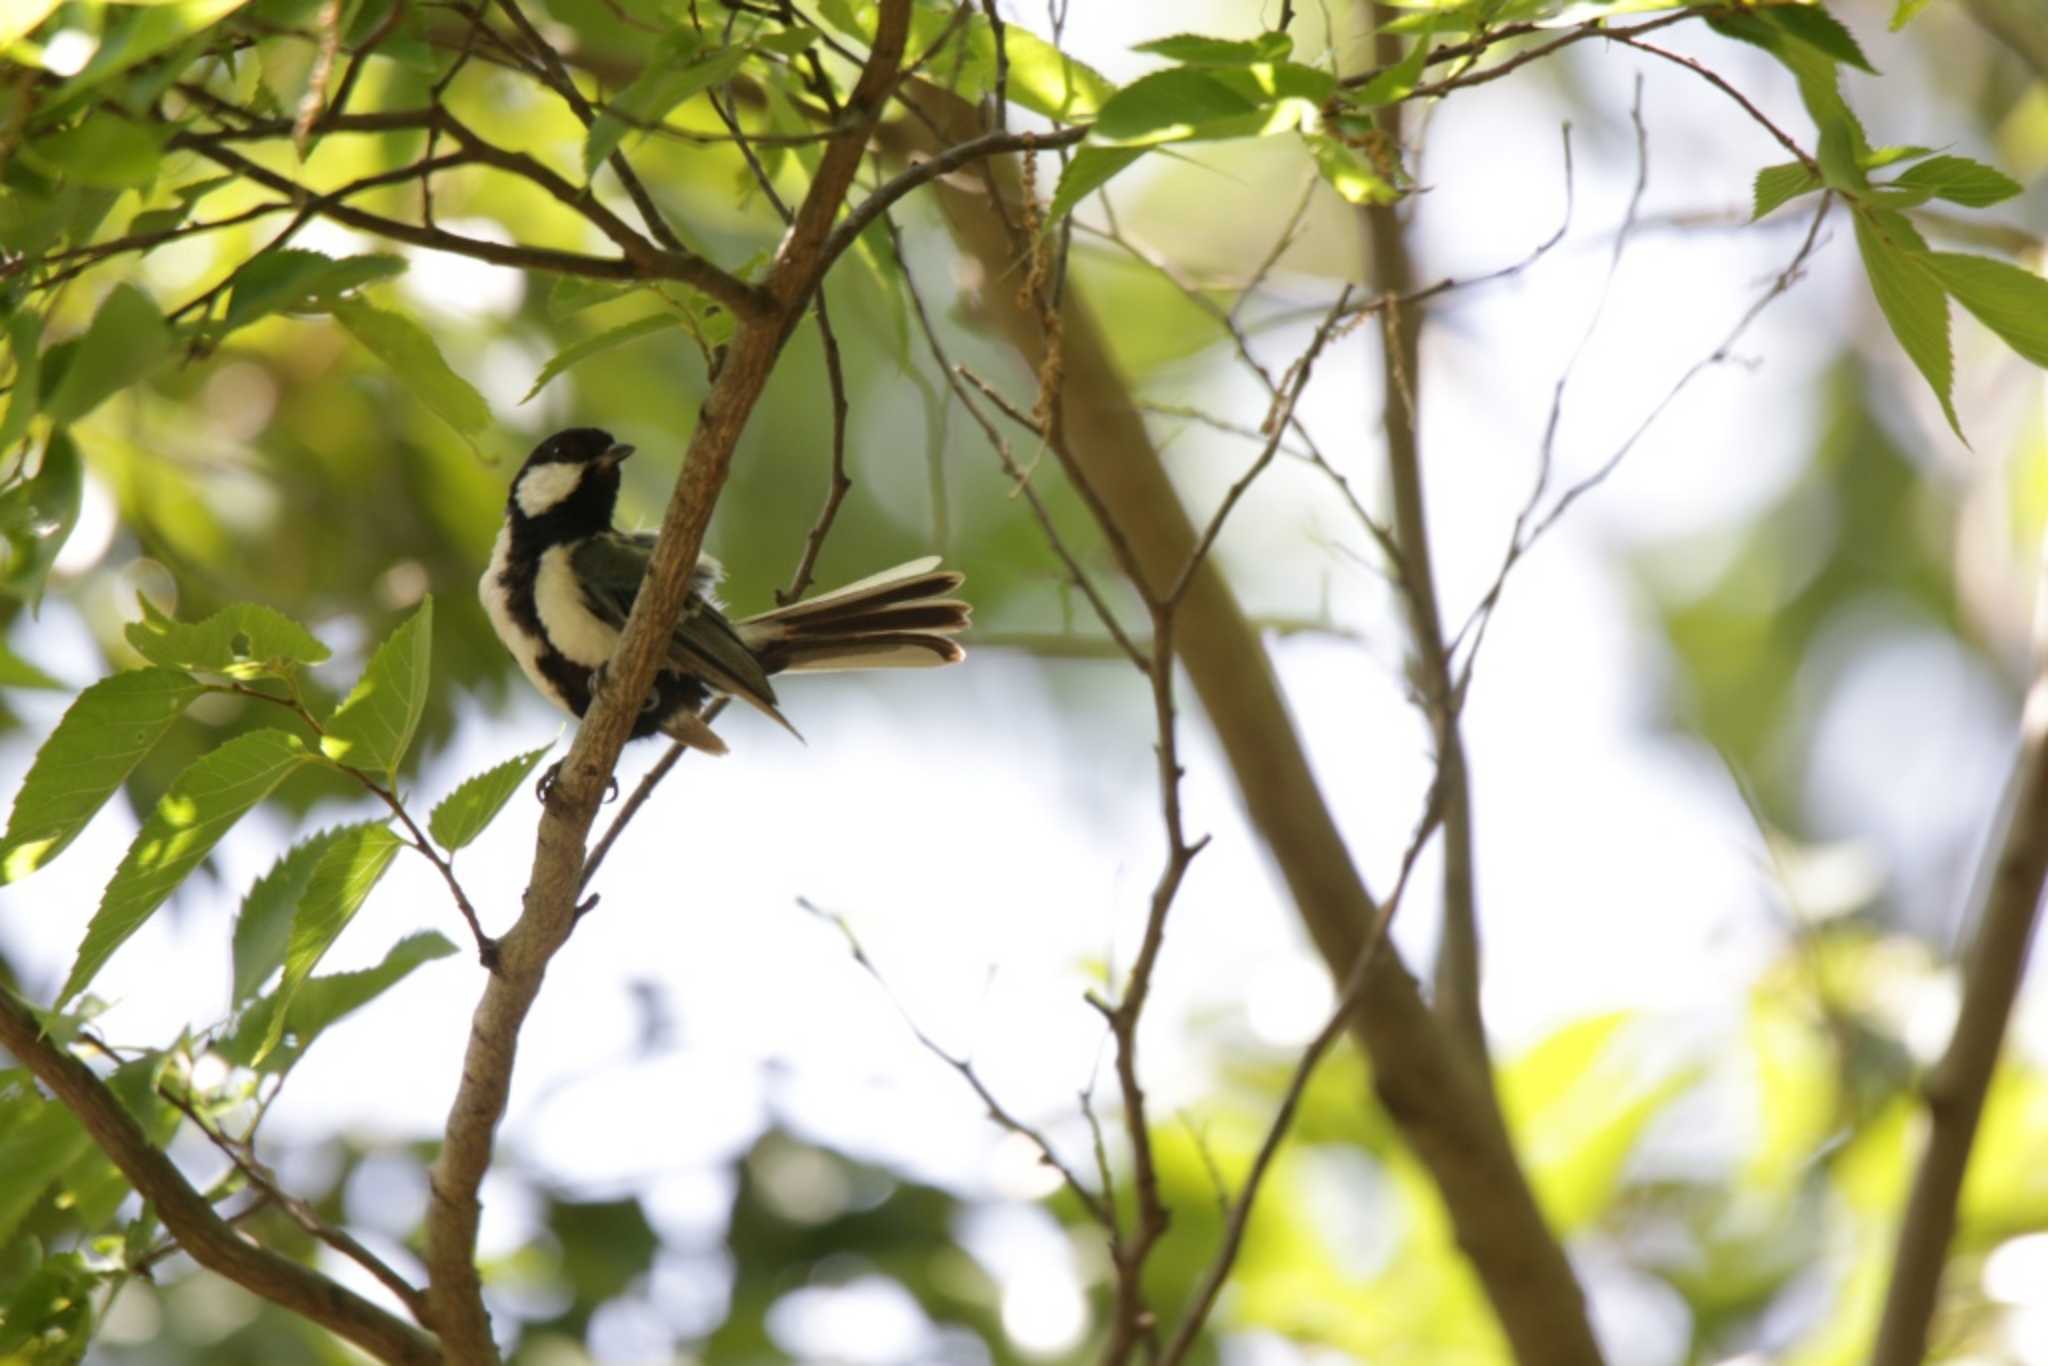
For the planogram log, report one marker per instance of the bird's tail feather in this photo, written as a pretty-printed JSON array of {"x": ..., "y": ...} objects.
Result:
[{"x": 899, "y": 618}]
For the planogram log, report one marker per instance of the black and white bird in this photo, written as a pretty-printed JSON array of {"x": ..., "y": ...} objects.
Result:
[{"x": 562, "y": 579}]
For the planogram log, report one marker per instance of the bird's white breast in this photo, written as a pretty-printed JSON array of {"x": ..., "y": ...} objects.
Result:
[
  {"x": 495, "y": 597},
  {"x": 564, "y": 615}
]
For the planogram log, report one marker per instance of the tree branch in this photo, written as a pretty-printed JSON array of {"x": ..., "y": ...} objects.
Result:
[
  {"x": 1955, "y": 1090},
  {"x": 549, "y": 912},
  {"x": 198, "y": 1228}
]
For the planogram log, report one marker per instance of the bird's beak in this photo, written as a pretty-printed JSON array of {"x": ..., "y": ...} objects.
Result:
[{"x": 616, "y": 453}]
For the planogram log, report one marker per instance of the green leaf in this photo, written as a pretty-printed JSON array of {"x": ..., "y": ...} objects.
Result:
[
  {"x": 1044, "y": 79},
  {"x": 244, "y": 640},
  {"x": 683, "y": 65},
  {"x": 264, "y": 925},
  {"x": 136, "y": 35},
  {"x": 1209, "y": 103},
  {"x": 602, "y": 341},
  {"x": 1088, "y": 171},
  {"x": 320, "y": 1002},
  {"x": 403, "y": 345},
  {"x": 375, "y": 722},
  {"x": 128, "y": 336},
  {"x": 24, "y": 331},
  {"x": 1779, "y": 184},
  {"x": 1878, "y": 157},
  {"x": 570, "y": 294},
  {"x": 2010, "y": 301},
  {"x": 1960, "y": 181},
  {"x": 1911, "y": 299},
  {"x": 1906, "y": 11},
  {"x": 16, "y": 672},
  {"x": 101, "y": 739},
  {"x": 1819, "y": 30},
  {"x": 1194, "y": 49},
  {"x": 36, "y": 517},
  {"x": 466, "y": 811},
  {"x": 20, "y": 18},
  {"x": 201, "y": 806},
  {"x": 290, "y": 280},
  {"x": 1349, "y": 173},
  {"x": 1398, "y": 81},
  {"x": 103, "y": 149},
  {"x": 347, "y": 870},
  {"x": 34, "y": 1153}
]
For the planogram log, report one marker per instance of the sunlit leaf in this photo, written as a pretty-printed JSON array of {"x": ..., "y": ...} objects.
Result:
[
  {"x": 244, "y": 640},
  {"x": 1207, "y": 103},
  {"x": 415, "y": 358},
  {"x": 1088, "y": 171},
  {"x": 1194, "y": 49},
  {"x": 20, "y": 17},
  {"x": 127, "y": 338},
  {"x": 103, "y": 735},
  {"x": 264, "y": 925},
  {"x": 1911, "y": 298},
  {"x": 2010, "y": 301},
  {"x": 1347, "y": 171},
  {"x": 101, "y": 149},
  {"x": 135, "y": 34},
  {"x": 684, "y": 64},
  {"x": 1960, "y": 181},
  {"x": 36, "y": 517},
  {"x": 33, "y": 1153},
  {"x": 464, "y": 813},
  {"x": 1778, "y": 185},
  {"x": 375, "y": 722},
  {"x": 201, "y": 806},
  {"x": 24, "y": 331},
  {"x": 291, "y": 280},
  {"x": 322, "y": 1001},
  {"x": 348, "y": 868}
]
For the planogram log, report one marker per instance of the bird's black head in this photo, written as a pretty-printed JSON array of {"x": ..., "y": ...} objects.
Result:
[{"x": 569, "y": 485}]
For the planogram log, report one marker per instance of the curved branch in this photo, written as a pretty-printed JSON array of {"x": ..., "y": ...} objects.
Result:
[{"x": 198, "y": 1228}]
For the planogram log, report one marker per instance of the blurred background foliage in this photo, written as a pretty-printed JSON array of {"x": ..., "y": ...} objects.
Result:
[{"x": 286, "y": 465}]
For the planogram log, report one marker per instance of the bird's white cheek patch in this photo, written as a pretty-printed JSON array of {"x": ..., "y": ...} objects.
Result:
[
  {"x": 569, "y": 623},
  {"x": 543, "y": 487}
]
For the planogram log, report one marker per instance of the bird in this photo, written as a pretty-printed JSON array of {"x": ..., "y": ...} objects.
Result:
[{"x": 562, "y": 580}]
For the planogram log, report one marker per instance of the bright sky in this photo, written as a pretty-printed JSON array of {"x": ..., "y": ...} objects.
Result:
[{"x": 986, "y": 848}]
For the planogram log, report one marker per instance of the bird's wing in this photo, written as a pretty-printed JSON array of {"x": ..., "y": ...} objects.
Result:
[{"x": 610, "y": 567}]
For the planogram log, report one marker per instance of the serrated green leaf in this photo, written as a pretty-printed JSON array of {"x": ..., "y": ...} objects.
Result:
[
  {"x": 1194, "y": 49},
  {"x": 101, "y": 739},
  {"x": 466, "y": 811},
  {"x": 127, "y": 338},
  {"x": 416, "y": 360},
  {"x": 1819, "y": 30},
  {"x": 1211, "y": 103},
  {"x": 264, "y": 925},
  {"x": 583, "y": 350},
  {"x": 244, "y": 640},
  {"x": 683, "y": 65},
  {"x": 16, "y": 672},
  {"x": 1780, "y": 184},
  {"x": 36, "y": 517},
  {"x": 1088, "y": 171},
  {"x": 347, "y": 870},
  {"x": 291, "y": 280},
  {"x": 1960, "y": 181},
  {"x": 375, "y": 722},
  {"x": 1348, "y": 172},
  {"x": 320, "y": 1002},
  {"x": 2010, "y": 301},
  {"x": 103, "y": 149},
  {"x": 1911, "y": 299},
  {"x": 203, "y": 803},
  {"x": 24, "y": 331}
]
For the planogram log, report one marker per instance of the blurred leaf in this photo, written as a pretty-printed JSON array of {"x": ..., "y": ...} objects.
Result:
[
  {"x": 33, "y": 1152},
  {"x": 101, "y": 149},
  {"x": 20, "y": 18},
  {"x": 415, "y": 358},
  {"x": 1777, "y": 185},
  {"x": 49, "y": 1316},
  {"x": 321, "y": 1001},
  {"x": 2010, "y": 301},
  {"x": 135, "y": 34},
  {"x": 16, "y": 672},
  {"x": 263, "y": 927},
  {"x": 1398, "y": 81},
  {"x": 1194, "y": 49},
  {"x": 599, "y": 343},
  {"x": 1042, "y": 78},
  {"x": 103, "y": 735},
  {"x": 36, "y": 517},
  {"x": 245, "y": 640},
  {"x": 291, "y": 280},
  {"x": 1906, "y": 11},
  {"x": 375, "y": 723},
  {"x": 571, "y": 294},
  {"x": 684, "y": 64},
  {"x": 127, "y": 338},
  {"x": 1205, "y": 103},
  {"x": 348, "y": 869},
  {"x": 1911, "y": 299},
  {"x": 1088, "y": 171},
  {"x": 469, "y": 809},
  {"x": 24, "y": 330},
  {"x": 1818, "y": 29},
  {"x": 201, "y": 806},
  {"x": 1960, "y": 181}
]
